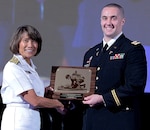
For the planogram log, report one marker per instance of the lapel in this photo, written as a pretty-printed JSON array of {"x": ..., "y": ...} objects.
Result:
[
  {"x": 101, "y": 58},
  {"x": 116, "y": 46}
]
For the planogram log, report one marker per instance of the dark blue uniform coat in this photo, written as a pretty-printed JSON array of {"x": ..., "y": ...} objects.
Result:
[{"x": 120, "y": 78}]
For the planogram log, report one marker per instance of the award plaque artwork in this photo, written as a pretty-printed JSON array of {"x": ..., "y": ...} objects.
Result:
[{"x": 72, "y": 82}]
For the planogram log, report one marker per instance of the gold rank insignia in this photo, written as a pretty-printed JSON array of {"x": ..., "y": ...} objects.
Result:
[
  {"x": 14, "y": 60},
  {"x": 135, "y": 43}
]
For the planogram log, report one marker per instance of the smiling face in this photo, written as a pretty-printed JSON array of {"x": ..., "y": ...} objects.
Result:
[
  {"x": 112, "y": 21},
  {"x": 27, "y": 47}
]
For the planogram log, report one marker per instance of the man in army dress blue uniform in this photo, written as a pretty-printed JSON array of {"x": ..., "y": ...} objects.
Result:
[{"x": 120, "y": 78}]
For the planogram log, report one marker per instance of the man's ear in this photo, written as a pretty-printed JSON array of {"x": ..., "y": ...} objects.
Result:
[{"x": 123, "y": 21}]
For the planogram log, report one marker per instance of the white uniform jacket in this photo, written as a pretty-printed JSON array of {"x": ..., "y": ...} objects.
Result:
[{"x": 18, "y": 77}]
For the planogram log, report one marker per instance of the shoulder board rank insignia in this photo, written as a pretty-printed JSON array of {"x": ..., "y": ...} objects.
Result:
[
  {"x": 14, "y": 60},
  {"x": 135, "y": 43}
]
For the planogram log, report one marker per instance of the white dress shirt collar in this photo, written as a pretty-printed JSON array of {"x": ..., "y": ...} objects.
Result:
[{"x": 111, "y": 41}]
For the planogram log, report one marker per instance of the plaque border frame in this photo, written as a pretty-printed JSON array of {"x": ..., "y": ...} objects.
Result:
[{"x": 68, "y": 95}]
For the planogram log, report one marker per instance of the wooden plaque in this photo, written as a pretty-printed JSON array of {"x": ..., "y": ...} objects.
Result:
[{"x": 72, "y": 82}]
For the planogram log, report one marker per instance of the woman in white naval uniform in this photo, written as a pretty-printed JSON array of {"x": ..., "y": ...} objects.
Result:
[{"x": 22, "y": 89}]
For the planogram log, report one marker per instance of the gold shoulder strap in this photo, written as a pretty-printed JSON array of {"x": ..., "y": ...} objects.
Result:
[
  {"x": 135, "y": 42},
  {"x": 14, "y": 60}
]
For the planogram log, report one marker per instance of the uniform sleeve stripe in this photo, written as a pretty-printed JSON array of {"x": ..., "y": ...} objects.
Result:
[{"x": 115, "y": 97}]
